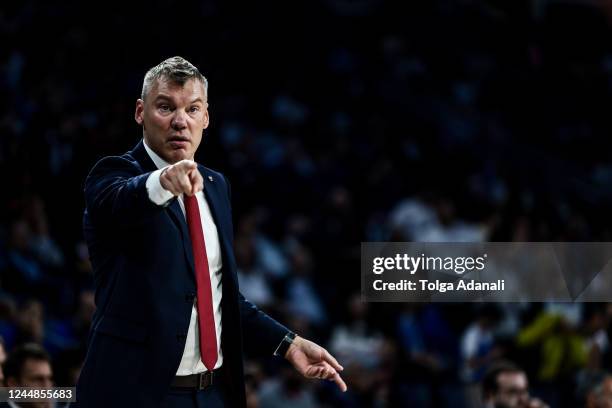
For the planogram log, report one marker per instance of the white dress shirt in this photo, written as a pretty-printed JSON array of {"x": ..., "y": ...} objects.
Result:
[{"x": 191, "y": 362}]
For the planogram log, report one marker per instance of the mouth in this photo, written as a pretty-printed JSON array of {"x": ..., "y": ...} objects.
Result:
[{"x": 178, "y": 142}]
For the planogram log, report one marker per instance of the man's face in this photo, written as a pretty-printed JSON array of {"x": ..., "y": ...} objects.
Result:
[
  {"x": 36, "y": 374},
  {"x": 604, "y": 398},
  {"x": 512, "y": 390},
  {"x": 173, "y": 117}
]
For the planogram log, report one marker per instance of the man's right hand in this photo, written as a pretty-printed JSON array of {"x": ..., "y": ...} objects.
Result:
[{"x": 182, "y": 177}]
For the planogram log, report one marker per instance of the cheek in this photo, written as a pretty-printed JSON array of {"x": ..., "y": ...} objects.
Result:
[
  {"x": 197, "y": 129},
  {"x": 196, "y": 142},
  {"x": 158, "y": 121}
]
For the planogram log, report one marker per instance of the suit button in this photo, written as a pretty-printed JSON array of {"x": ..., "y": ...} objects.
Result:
[{"x": 189, "y": 297}]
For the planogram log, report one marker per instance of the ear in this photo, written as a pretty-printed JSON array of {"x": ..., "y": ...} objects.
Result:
[
  {"x": 206, "y": 118},
  {"x": 139, "y": 113}
]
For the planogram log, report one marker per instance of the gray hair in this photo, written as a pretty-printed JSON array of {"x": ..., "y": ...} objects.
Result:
[{"x": 177, "y": 70}]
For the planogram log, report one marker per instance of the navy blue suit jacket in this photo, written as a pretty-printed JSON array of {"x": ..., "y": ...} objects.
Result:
[{"x": 145, "y": 286}]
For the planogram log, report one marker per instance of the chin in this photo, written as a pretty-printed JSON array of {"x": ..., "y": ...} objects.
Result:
[{"x": 178, "y": 155}]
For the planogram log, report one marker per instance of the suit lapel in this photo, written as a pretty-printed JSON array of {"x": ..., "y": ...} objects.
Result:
[
  {"x": 142, "y": 157},
  {"x": 214, "y": 198}
]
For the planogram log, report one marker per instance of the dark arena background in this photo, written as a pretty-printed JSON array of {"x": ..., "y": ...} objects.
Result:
[{"x": 337, "y": 122}]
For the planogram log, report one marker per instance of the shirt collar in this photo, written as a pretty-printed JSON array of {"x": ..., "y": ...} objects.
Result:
[{"x": 159, "y": 162}]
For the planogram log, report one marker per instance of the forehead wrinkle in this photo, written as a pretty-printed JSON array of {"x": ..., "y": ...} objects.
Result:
[
  {"x": 164, "y": 97},
  {"x": 178, "y": 93},
  {"x": 163, "y": 84}
]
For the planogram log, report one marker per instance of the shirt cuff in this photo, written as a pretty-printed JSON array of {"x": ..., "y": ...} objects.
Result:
[{"x": 157, "y": 193}]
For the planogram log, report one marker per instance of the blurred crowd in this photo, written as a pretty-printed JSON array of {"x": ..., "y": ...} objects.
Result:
[{"x": 452, "y": 121}]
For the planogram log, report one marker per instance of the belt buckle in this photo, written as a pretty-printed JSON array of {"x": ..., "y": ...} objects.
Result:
[{"x": 205, "y": 380}]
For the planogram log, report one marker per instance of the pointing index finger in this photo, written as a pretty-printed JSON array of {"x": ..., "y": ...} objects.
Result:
[
  {"x": 340, "y": 382},
  {"x": 331, "y": 360},
  {"x": 197, "y": 182}
]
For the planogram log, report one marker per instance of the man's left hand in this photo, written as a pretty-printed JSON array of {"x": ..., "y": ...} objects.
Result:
[{"x": 313, "y": 361}]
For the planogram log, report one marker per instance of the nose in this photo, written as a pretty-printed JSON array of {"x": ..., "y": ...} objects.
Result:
[{"x": 179, "y": 120}]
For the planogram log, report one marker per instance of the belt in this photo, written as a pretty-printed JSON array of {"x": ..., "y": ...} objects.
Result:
[{"x": 198, "y": 381}]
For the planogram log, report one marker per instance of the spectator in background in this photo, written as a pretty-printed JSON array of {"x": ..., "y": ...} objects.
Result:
[
  {"x": 253, "y": 283},
  {"x": 302, "y": 295},
  {"x": 505, "y": 385},
  {"x": 432, "y": 221},
  {"x": 600, "y": 393},
  {"x": 29, "y": 365},
  {"x": 559, "y": 342},
  {"x": 268, "y": 256},
  {"x": 42, "y": 244},
  {"x": 429, "y": 347},
  {"x": 595, "y": 322},
  {"x": 478, "y": 346},
  {"x": 253, "y": 377},
  {"x": 286, "y": 390},
  {"x": 2, "y": 360},
  {"x": 30, "y": 322},
  {"x": 363, "y": 349},
  {"x": 26, "y": 273},
  {"x": 2, "y": 352},
  {"x": 356, "y": 341},
  {"x": 70, "y": 334},
  {"x": 562, "y": 348},
  {"x": 30, "y": 259},
  {"x": 82, "y": 319},
  {"x": 450, "y": 227},
  {"x": 478, "y": 349}
]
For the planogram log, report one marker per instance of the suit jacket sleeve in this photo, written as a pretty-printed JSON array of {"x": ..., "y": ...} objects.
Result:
[
  {"x": 262, "y": 334},
  {"x": 116, "y": 193}
]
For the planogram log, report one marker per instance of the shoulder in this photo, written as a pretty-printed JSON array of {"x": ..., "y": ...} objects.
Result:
[
  {"x": 124, "y": 160},
  {"x": 124, "y": 163}
]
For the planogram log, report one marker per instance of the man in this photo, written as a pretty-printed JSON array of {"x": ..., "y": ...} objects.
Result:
[
  {"x": 505, "y": 385},
  {"x": 600, "y": 393},
  {"x": 28, "y": 365},
  {"x": 170, "y": 323}
]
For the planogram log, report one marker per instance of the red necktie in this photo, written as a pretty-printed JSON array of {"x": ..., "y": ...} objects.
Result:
[{"x": 206, "y": 320}]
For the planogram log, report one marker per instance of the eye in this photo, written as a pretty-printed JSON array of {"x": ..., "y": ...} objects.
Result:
[
  {"x": 164, "y": 108},
  {"x": 194, "y": 109}
]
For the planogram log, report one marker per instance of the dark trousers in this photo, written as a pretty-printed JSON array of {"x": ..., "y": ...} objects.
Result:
[{"x": 212, "y": 396}]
